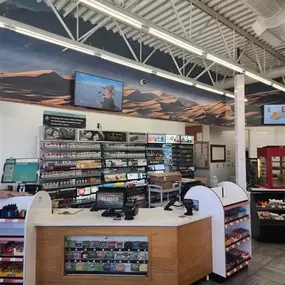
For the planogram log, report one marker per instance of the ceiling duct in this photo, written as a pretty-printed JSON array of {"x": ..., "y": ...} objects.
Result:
[{"x": 270, "y": 25}]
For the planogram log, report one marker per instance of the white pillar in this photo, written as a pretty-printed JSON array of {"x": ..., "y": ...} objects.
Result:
[{"x": 240, "y": 131}]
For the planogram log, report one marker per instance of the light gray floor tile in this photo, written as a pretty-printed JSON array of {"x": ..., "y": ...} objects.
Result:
[
  {"x": 271, "y": 274},
  {"x": 255, "y": 280}
]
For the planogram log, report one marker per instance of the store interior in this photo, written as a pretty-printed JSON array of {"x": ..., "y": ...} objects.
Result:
[{"x": 141, "y": 142}]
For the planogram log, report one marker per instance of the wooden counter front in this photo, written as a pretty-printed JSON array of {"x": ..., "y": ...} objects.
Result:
[{"x": 177, "y": 255}]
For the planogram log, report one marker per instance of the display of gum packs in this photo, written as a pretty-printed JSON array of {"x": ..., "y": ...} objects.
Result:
[
  {"x": 69, "y": 255},
  {"x": 106, "y": 267},
  {"x": 128, "y": 245},
  {"x": 94, "y": 244},
  {"x": 109, "y": 255},
  {"x": 85, "y": 266},
  {"x": 98, "y": 267},
  {"x": 113, "y": 267},
  {"x": 85, "y": 255},
  {"x": 142, "y": 256},
  {"x": 70, "y": 243},
  {"x": 136, "y": 245},
  {"x": 103, "y": 244},
  {"x": 144, "y": 245},
  {"x": 68, "y": 266},
  {"x": 112, "y": 244},
  {"x": 118, "y": 255},
  {"x": 128, "y": 267},
  {"x": 135, "y": 267},
  {"x": 120, "y": 244},
  {"x": 78, "y": 244},
  {"x": 100, "y": 254},
  {"x": 143, "y": 268},
  {"x": 93, "y": 254},
  {"x": 126, "y": 256},
  {"x": 134, "y": 255},
  {"x": 120, "y": 267},
  {"x": 77, "y": 254},
  {"x": 86, "y": 244},
  {"x": 79, "y": 266}
]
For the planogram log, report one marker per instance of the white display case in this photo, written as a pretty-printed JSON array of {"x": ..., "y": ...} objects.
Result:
[{"x": 229, "y": 207}]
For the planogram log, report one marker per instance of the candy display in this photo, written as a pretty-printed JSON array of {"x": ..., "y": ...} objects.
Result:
[
  {"x": 265, "y": 215},
  {"x": 11, "y": 211},
  {"x": 12, "y": 248},
  {"x": 11, "y": 270},
  {"x": 235, "y": 214},
  {"x": 271, "y": 203},
  {"x": 235, "y": 257},
  {"x": 106, "y": 257},
  {"x": 236, "y": 235}
]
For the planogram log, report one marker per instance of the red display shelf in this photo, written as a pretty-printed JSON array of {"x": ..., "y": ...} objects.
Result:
[
  {"x": 239, "y": 267},
  {"x": 19, "y": 239},
  {"x": 11, "y": 280},
  {"x": 237, "y": 221},
  {"x": 12, "y": 220},
  {"x": 11, "y": 259},
  {"x": 237, "y": 243}
]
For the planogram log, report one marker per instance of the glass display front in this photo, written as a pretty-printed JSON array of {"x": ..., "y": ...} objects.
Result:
[
  {"x": 117, "y": 255},
  {"x": 262, "y": 171},
  {"x": 278, "y": 171}
]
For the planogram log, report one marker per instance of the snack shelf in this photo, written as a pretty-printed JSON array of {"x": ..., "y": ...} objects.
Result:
[
  {"x": 235, "y": 205},
  {"x": 72, "y": 186},
  {"x": 11, "y": 238},
  {"x": 72, "y": 149},
  {"x": 259, "y": 208},
  {"x": 237, "y": 243},
  {"x": 11, "y": 259},
  {"x": 104, "y": 249},
  {"x": 239, "y": 267},
  {"x": 11, "y": 280},
  {"x": 69, "y": 159},
  {"x": 237, "y": 221},
  {"x": 7, "y": 220},
  {"x": 70, "y": 177},
  {"x": 107, "y": 261}
]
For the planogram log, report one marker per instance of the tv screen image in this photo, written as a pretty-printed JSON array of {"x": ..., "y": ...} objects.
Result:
[
  {"x": 98, "y": 92},
  {"x": 274, "y": 115},
  {"x": 110, "y": 200}
]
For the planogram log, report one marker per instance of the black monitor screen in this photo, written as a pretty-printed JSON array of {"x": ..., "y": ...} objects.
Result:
[
  {"x": 98, "y": 92},
  {"x": 106, "y": 199}
]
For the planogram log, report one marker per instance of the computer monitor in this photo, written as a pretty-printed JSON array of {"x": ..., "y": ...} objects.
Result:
[
  {"x": 108, "y": 198},
  {"x": 24, "y": 170},
  {"x": 185, "y": 187}
]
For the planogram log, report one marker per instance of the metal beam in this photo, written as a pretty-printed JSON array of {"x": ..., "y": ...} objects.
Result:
[{"x": 199, "y": 4}]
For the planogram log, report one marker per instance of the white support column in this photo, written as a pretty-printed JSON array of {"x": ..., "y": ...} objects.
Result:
[{"x": 240, "y": 130}]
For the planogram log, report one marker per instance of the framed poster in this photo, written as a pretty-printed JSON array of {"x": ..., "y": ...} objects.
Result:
[
  {"x": 172, "y": 138},
  {"x": 218, "y": 153},
  {"x": 155, "y": 138}
]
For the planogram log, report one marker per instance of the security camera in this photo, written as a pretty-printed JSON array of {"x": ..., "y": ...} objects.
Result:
[{"x": 143, "y": 82}]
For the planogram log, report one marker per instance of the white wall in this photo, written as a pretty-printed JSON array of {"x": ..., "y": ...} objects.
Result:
[
  {"x": 19, "y": 127},
  {"x": 223, "y": 136},
  {"x": 265, "y": 136}
]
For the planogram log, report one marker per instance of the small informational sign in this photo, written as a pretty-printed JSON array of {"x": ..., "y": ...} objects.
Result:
[
  {"x": 58, "y": 134},
  {"x": 172, "y": 139},
  {"x": 187, "y": 139},
  {"x": 196, "y": 205},
  {"x": 155, "y": 138},
  {"x": 137, "y": 138},
  {"x": 92, "y": 135},
  {"x": 67, "y": 120},
  {"x": 115, "y": 136}
]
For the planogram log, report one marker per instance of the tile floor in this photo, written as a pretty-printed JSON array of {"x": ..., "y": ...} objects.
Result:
[{"x": 266, "y": 268}]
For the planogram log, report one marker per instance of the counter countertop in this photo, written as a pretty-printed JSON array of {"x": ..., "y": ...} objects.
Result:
[{"x": 155, "y": 217}]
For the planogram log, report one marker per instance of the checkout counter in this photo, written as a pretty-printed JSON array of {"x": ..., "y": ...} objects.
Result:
[{"x": 157, "y": 247}]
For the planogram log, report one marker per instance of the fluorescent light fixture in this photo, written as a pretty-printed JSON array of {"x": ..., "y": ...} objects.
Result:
[
  {"x": 126, "y": 63},
  {"x": 174, "y": 78},
  {"x": 208, "y": 88},
  {"x": 224, "y": 63},
  {"x": 52, "y": 40},
  {"x": 229, "y": 95},
  {"x": 258, "y": 78},
  {"x": 170, "y": 39},
  {"x": 106, "y": 9},
  {"x": 279, "y": 87}
]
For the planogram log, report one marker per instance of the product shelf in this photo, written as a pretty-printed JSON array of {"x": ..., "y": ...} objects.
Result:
[
  {"x": 71, "y": 149},
  {"x": 260, "y": 208},
  {"x": 237, "y": 243},
  {"x": 70, "y": 177},
  {"x": 7, "y": 220},
  {"x": 11, "y": 259},
  {"x": 11, "y": 238},
  {"x": 70, "y": 159},
  {"x": 73, "y": 186},
  {"x": 239, "y": 267},
  {"x": 11, "y": 280},
  {"x": 237, "y": 221}
]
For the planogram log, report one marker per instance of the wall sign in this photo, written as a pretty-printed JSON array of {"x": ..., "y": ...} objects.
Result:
[
  {"x": 91, "y": 135},
  {"x": 155, "y": 138},
  {"x": 67, "y": 120},
  {"x": 218, "y": 153},
  {"x": 172, "y": 138}
]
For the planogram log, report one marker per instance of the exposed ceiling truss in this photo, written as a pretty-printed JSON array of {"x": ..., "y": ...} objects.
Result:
[{"x": 219, "y": 26}]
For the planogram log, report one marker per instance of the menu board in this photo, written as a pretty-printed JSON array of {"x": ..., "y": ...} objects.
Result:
[
  {"x": 172, "y": 139},
  {"x": 187, "y": 139},
  {"x": 274, "y": 115},
  {"x": 155, "y": 138}
]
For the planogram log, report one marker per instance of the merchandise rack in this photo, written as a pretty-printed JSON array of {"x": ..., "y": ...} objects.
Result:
[
  {"x": 15, "y": 231},
  {"x": 66, "y": 167},
  {"x": 229, "y": 207},
  {"x": 268, "y": 220}
]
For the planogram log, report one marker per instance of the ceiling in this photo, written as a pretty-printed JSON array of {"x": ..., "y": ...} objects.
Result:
[{"x": 221, "y": 26}]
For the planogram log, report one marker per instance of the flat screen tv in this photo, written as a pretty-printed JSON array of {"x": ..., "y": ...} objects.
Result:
[
  {"x": 98, "y": 92},
  {"x": 274, "y": 115}
]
